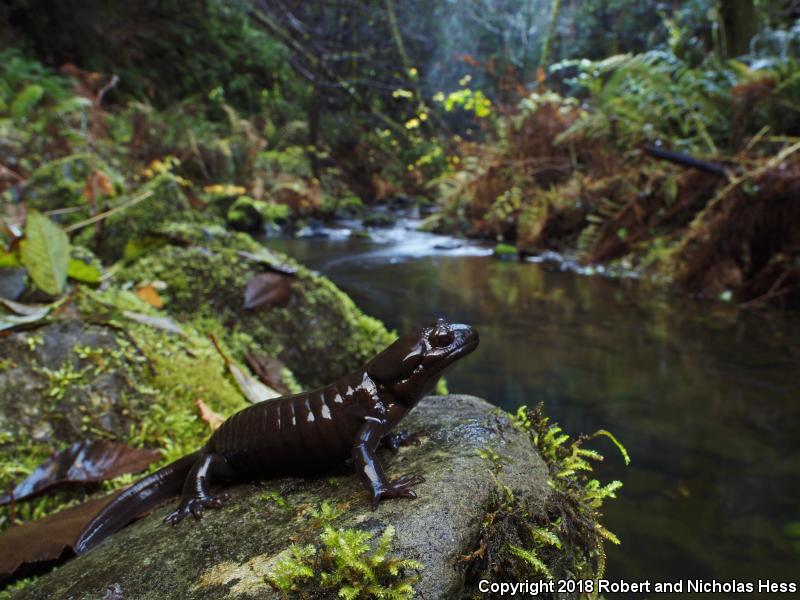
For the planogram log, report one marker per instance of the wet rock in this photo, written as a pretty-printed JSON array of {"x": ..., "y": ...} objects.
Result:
[
  {"x": 229, "y": 554},
  {"x": 378, "y": 219}
]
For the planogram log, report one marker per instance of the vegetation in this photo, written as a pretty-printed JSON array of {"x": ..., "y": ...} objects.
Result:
[
  {"x": 141, "y": 143},
  {"x": 566, "y": 539},
  {"x": 537, "y": 143},
  {"x": 344, "y": 567}
]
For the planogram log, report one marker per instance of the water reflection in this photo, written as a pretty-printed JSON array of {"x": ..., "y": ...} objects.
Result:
[{"x": 706, "y": 399}]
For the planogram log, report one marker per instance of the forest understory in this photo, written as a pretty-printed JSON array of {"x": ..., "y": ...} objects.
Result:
[{"x": 552, "y": 158}]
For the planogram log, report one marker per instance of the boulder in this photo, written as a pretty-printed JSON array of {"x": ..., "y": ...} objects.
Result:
[
  {"x": 232, "y": 553},
  {"x": 319, "y": 334}
]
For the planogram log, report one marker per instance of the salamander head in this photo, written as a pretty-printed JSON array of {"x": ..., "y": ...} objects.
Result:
[{"x": 410, "y": 367}]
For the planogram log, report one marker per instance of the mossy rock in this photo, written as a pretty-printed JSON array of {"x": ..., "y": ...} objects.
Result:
[
  {"x": 378, "y": 219},
  {"x": 167, "y": 204},
  {"x": 506, "y": 252},
  {"x": 320, "y": 335},
  {"x": 61, "y": 183},
  {"x": 247, "y": 214},
  {"x": 73, "y": 380},
  {"x": 51, "y": 395},
  {"x": 232, "y": 551}
]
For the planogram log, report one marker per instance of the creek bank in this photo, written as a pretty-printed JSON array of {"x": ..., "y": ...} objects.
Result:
[{"x": 231, "y": 552}]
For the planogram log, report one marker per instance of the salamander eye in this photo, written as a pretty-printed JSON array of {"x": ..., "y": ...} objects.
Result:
[{"x": 441, "y": 335}]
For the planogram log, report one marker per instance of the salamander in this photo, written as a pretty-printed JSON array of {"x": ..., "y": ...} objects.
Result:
[{"x": 303, "y": 433}]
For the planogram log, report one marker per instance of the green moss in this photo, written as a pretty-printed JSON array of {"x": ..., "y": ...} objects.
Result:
[
  {"x": 179, "y": 371},
  {"x": 345, "y": 565},
  {"x": 166, "y": 204},
  {"x": 567, "y": 539},
  {"x": 246, "y": 214},
  {"x": 506, "y": 252},
  {"x": 320, "y": 335}
]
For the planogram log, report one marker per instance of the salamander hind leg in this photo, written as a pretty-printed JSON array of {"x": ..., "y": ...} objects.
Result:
[
  {"x": 195, "y": 497},
  {"x": 395, "y": 440}
]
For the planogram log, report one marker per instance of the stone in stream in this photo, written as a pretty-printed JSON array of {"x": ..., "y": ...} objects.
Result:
[{"x": 230, "y": 553}]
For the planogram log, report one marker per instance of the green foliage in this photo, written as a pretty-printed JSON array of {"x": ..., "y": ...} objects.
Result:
[
  {"x": 566, "y": 539},
  {"x": 346, "y": 565},
  {"x": 573, "y": 513},
  {"x": 473, "y": 101},
  {"x": 659, "y": 95},
  {"x": 25, "y": 100}
]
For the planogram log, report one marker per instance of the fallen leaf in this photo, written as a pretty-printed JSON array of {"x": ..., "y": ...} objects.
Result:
[
  {"x": 209, "y": 416},
  {"x": 267, "y": 290},
  {"x": 25, "y": 310},
  {"x": 252, "y": 388},
  {"x": 150, "y": 295},
  {"x": 84, "y": 266},
  {"x": 270, "y": 260},
  {"x": 162, "y": 323},
  {"x": 81, "y": 463},
  {"x": 35, "y": 546},
  {"x": 9, "y": 321},
  {"x": 45, "y": 253},
  {"x": 268, "y": 370}
]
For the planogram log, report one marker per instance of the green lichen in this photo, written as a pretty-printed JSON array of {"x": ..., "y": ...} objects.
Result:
[{"x": 347, "y": 566}]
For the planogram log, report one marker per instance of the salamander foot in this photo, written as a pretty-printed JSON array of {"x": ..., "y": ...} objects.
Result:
[
  {"x": 195, "y": 507},
  {"x": 397, "y": 488}
]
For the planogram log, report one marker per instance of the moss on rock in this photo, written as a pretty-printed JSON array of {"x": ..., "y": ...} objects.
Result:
[
  {"x": 114, "y": 379},
  {"x": 320, "y": 335},
  {"x": 165, "y": 204}
]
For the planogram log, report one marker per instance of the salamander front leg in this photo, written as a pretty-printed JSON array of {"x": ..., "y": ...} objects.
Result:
[
  {"x": 369, "y": 467},
  {"x": 195, "y": 497}
]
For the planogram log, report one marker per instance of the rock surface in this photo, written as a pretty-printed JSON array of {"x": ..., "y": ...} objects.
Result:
[
  {"x": 230, "y": 552},
  {"x": 48, "y": 393}
]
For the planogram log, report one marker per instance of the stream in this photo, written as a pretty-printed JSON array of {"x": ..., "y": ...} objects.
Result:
[{"x": 705, "y": 396}]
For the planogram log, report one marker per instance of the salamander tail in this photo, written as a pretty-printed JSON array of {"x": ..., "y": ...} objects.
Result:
[{"x": 138, "y": 499}]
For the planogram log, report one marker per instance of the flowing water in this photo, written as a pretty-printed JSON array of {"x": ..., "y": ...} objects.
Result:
[{"x": 705, "y": 397}]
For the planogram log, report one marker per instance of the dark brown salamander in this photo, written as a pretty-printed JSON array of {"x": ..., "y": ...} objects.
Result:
[{"x": 303, "y": 433}]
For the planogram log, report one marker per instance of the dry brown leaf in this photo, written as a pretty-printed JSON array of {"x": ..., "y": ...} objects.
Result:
[
  {"x": 29, "y": 548},
  {"x": 97, "y": 182},
  {"x": 267, "y": 290},
  {"x": 150, "y": 295},
  {"x": 209, "y": 416},
  {"x": 83, "y": 462}
]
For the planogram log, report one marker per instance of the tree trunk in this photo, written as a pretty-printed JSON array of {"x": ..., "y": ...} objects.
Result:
[{"x": 739, "y": 23}]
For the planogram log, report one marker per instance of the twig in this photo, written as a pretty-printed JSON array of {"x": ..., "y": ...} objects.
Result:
[
  {"x": 107, "y": 88},
  {"x": 686, "y": 161},
  {"x": 108, "y": 213},
  {"x": 64, "y": 211}
]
